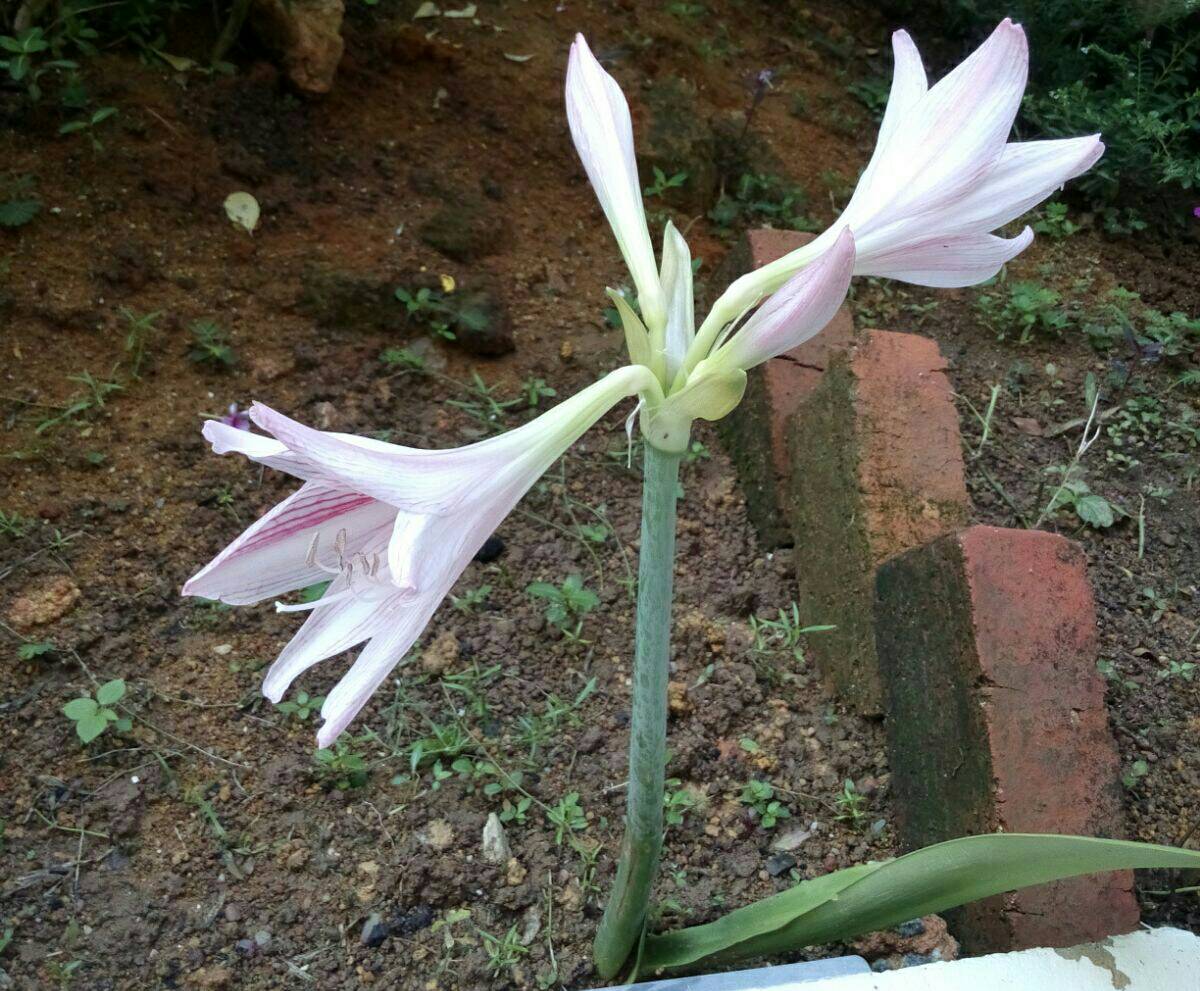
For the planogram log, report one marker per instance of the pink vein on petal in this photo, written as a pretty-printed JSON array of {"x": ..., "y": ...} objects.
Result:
[{"x": 310, "y": 515}]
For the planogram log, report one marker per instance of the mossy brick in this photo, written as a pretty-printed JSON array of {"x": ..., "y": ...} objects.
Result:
[
  {"x": 986, "y": 640},
  {"x": 876, "y": 468},
  {"x": 756, "y": 432}
]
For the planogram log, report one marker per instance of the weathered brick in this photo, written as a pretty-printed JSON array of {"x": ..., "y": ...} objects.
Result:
[
  {"x": 774, "y": 391},
  {"x": 997, "y": 721},
  {"x": 875, "y": 469}
]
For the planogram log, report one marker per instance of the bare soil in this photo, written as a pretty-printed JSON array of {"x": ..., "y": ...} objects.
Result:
[{"x": 205, "y": 847}]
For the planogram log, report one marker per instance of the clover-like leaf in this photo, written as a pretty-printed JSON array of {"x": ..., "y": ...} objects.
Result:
[
  {"x": 111, "y": 692},
  {"x": 90, "y": 727},
  {"x": 78, "y": 709}
]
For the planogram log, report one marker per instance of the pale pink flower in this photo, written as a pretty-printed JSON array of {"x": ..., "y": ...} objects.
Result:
[
  {"x": 943, "y": 176},
  {"x": 392, "y": 526}
]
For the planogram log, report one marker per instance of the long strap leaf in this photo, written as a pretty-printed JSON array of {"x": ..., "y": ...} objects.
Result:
[{"x": 868, "y": 897}]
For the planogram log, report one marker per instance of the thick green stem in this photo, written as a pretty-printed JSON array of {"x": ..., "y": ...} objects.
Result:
[{"x": 625, "y": 915}]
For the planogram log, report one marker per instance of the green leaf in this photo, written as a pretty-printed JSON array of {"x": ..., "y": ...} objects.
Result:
[
  {"x": 31, "y": 649},
  {"x": 17, "y": 213},
  {"x": 1095, "y": 511},
  {"x": 313, "y": 592},
  {"x": 111, "y": 692},
  {"x": 870, "y": 897},
  {"x": 80, "y": 708},
  {"x": 90, "y": 727}
]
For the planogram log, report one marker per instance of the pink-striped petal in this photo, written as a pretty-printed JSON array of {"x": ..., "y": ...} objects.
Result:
[
  {"x": 952, "y": 137},
  {"x": 952, "y": 261},
  {"x": 797, "y": 311},
  {"x": 329, "y": 630},
  {"x": 909, "y": 85},
  {"x": 369, "y": 670},
  {"x": 1026, "y": 174},
  {"x": 404, "y": 477},
  {"x": 269, "y": 558},
  {"x": 265, "y": 450}
]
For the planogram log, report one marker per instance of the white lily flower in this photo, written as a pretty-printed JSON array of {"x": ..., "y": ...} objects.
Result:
[
  {"x": 943, "y": 177},
  {"x": 393, "y": 526},
  {"x": 603, "y": 134}
]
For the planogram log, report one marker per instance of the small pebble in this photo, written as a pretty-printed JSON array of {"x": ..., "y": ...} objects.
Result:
[
  {"x": 780, "y": 863},
  {"x": 374, "y": 930},
  {"x": 492, "y": 548}
]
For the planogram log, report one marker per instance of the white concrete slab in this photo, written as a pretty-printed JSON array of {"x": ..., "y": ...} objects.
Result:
[{"x": 1150, "y": 960}]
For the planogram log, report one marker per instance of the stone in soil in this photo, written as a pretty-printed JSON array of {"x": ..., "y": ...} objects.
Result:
[
  {"x": 374, "y": 930},
  {"x": 438, "y": 834},
  {"x": 997, "y": 720},
  {"x": 466, "y": 228},
  {"x": 915, "y": 942},
  {"x": 492, "y": 548},
  {"x": 756, "y": 432},
  {"x": 780, "y": 863},
  {"x": 44, "y": 604},
  {"x": 306, "y": 35},
  {"x": 495, "y": 843},
  {"x": 442, "y": 654},
  {"x": 876, "y": 469}
]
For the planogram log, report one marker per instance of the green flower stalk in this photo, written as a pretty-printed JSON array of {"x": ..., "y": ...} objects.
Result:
[
  {"x": 700, "y": 379},
  {"x": 625, "y": 915}
]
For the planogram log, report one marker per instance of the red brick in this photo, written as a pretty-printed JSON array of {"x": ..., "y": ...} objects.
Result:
[
  {"x": 875, "y": 469},
  {"x": 996, "y": 720},
  {"x": 774, "y": 391}
]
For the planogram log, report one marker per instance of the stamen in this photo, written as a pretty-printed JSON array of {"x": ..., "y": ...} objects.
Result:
[{"x": 356, "y": 565}]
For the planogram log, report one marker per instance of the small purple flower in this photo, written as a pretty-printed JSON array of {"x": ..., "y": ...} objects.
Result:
[
  {"x": 1196, "y": 211},
  {"x": 236, "y": 418}
]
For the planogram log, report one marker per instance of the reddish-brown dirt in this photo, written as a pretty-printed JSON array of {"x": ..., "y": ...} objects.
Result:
[{"x": 204, "y": 846}]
